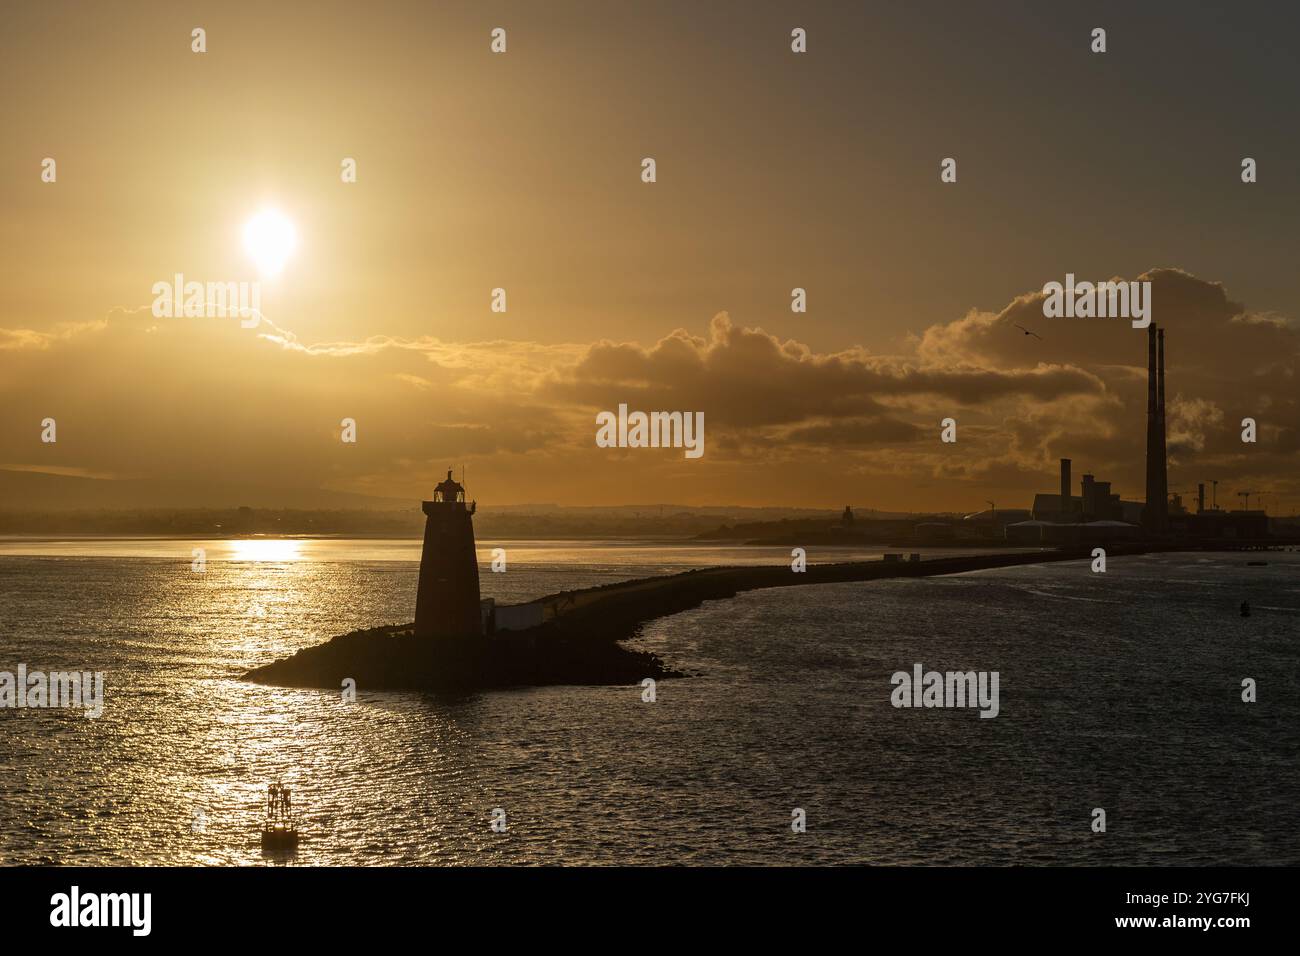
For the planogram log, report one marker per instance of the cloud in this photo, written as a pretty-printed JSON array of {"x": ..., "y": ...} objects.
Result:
[
  {"x": 861, "y": 432},
  {"x": 747, "y": 377},
  {"x": 205, "y": 400},
  {"x": 1191, "y": 423}
]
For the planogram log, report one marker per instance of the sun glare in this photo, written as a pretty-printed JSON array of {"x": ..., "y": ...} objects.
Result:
[
  {"x": 269, "y": 240},
  {"x": 265, "y": 549}
]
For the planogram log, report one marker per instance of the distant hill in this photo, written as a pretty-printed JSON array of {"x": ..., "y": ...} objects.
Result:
[
  {"x": 44, "y": 503},
  {"x": 41, "y": 491}
]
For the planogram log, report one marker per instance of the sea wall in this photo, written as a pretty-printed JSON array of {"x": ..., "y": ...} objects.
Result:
[{"x": 581, "y": 641}]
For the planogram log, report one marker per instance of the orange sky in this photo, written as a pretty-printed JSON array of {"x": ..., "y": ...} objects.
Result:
[{"x": 521, "y": 171}]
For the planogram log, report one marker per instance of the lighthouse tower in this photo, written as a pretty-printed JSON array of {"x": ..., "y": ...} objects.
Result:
[{"x": 447, "y": 604}]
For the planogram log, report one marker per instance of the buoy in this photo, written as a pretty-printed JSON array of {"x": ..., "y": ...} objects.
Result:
[{"x": 280, "y": 829}]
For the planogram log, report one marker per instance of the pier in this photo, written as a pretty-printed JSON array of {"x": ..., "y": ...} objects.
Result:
[{"x": 578, "y": 641}]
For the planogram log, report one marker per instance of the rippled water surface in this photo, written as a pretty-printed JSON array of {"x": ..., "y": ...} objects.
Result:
[{"x": 1120, "y": 691}]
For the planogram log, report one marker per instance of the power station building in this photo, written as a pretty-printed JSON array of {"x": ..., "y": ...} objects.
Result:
[
  {"x": 1095, "y": 502},
  {"x": 1098, "y": 513}
]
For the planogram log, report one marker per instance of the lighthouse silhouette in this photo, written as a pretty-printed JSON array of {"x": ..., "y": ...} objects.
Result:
[{"x": 447, "y": 604}]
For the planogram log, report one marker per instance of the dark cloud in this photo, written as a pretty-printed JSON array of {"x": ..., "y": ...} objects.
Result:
[
  {"x": 206, "y": 400},
  {"x": 747, "y": 377}
]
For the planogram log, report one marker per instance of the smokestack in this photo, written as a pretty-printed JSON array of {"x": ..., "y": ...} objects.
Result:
[
  {"x": 1155, "y": 512},
  {"x": 1163, "y": 471},
  {"x": 1160, "y": 366},
  {"x": 1200, "y": 498},
  {"x": 1065, "y": 486}
]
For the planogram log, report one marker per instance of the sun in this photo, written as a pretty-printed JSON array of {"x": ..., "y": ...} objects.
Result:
[{"x": 269, "y": 240}]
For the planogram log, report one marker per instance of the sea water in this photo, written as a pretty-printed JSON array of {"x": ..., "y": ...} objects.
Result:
[{"x": 1120, "y": 691}]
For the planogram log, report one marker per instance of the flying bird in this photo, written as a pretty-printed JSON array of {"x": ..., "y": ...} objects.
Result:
[{"x": 1027, "y": 332}]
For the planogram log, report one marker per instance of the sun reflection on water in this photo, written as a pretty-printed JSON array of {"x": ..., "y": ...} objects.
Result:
[{"x": 266, "y": 549}]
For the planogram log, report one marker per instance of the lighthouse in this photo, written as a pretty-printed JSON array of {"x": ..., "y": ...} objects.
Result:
[{"x": 447, "y": 604}]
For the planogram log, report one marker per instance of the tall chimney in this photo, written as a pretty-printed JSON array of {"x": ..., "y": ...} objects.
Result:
[
  {"x": 1163, "y": 472},
  {"x": 1154, "y": 514},
  {"x": 1065, "y": 487},
  {"x": 1160, "y": 368},
  {"x": 1200, "y": 498}
]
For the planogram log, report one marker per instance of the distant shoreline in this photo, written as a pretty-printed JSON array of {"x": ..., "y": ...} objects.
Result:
[{"x": 394, "y": 548}]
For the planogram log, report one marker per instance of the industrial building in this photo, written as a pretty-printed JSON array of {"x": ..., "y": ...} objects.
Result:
[
  {"x": 1214, "y": 522},
  {"x": 1079, "y": 532},
  {"x": 1097, "y": 513},
  {"x": 1095, "y": 502}
]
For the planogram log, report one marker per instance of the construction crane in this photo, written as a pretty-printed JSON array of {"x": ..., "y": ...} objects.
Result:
[
  {"x": 1246, "y": 495},
  {"x": 1215, "y": 500}
]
